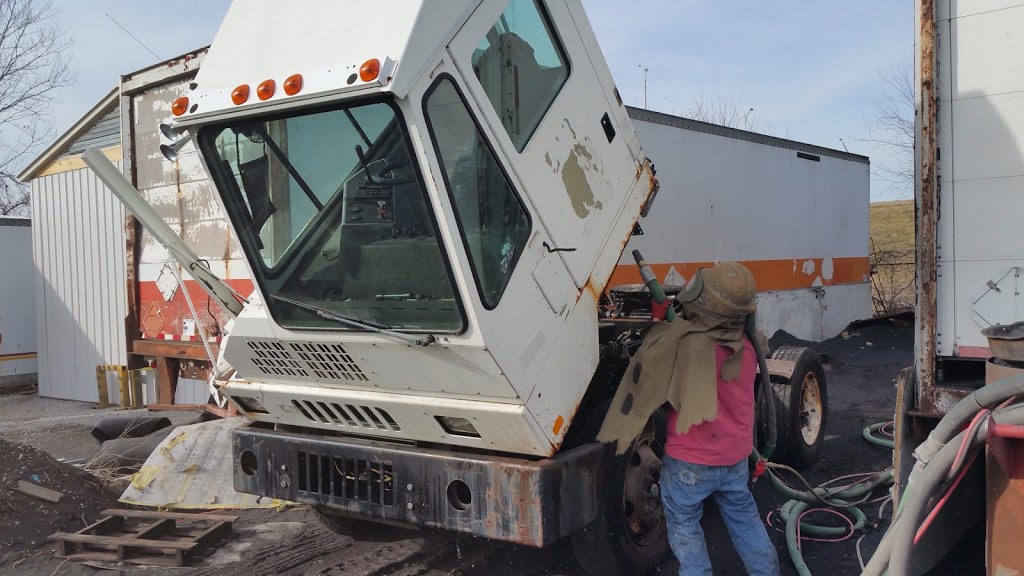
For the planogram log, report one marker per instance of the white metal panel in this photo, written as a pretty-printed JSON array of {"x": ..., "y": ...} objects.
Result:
[
  {"x": 724, "y": 198},
  {"x": 988, "y": 132},
  {"x": 79, "y": 268},
  {"x": 985, "y": 63},
  {"x": 960, "y": 8},
  {"x": 17, "y": 309},
  {"x": 981, "y": 168}
]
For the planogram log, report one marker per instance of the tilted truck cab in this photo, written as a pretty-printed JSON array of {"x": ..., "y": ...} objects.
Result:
[{"x": 430, "y": 199}]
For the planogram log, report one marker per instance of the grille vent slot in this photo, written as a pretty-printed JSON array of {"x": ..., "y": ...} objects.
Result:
[
  {"x": 347, "y": 415},
  {"x": 306, "y": 359},
  {"x": 272, "y": 358},
  {"x": 350, "y": 479}
]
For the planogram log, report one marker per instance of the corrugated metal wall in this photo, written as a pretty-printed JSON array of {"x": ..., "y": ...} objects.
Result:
[
  {"x": 79, "y": 253},
  {"x": 106, "y": 132}
]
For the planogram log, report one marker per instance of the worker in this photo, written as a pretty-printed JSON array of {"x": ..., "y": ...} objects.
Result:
[{"x": 701, "y": 368}]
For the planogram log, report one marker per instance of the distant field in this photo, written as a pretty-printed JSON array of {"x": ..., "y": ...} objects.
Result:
[{"x": 892, "y": 255}]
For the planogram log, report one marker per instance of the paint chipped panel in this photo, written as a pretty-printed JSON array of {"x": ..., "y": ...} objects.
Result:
[{"x": 581, "y": 172}]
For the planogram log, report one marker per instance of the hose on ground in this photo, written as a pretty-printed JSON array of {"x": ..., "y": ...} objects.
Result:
[{"x": 869, "y": 435}]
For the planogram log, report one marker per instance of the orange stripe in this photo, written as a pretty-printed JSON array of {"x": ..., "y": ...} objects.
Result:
[{"x": 769, "y": 275}]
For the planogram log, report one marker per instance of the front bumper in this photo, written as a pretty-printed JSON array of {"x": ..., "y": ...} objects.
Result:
[{"x": 534, "y": 503}]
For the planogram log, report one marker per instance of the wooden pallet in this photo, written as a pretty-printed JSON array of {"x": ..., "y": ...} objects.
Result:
[{"x": 144, "y": 537}]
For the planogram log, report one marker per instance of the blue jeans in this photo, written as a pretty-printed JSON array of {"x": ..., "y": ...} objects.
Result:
[{"x": 684, "y": 487}]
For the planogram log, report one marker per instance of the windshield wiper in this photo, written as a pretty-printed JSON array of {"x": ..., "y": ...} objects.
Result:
[{"x": 378, "y": 328}]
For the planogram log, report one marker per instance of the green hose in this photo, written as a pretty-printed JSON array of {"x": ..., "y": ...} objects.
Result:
[
  {"x": 838, "y": 498},
  {"x": 869, "y": 435}
]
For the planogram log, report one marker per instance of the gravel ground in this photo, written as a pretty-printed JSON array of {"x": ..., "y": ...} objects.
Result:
[{"x": 860, "y": 380}]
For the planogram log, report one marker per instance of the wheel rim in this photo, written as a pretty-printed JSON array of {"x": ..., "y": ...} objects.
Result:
[
  {"x": 641, "y": 499},
  {"x": 811, "y": 410}
]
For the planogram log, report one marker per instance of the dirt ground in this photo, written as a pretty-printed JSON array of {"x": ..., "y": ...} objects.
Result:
[{"x": 860, "y": 379}]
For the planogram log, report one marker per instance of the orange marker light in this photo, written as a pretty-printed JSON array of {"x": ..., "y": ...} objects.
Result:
[
  {"x": 240, "y": 95},
  {"x": 293, "y": 84},
  {"x": 369, "y": 70},
  {"x": 266, "y": 89},
  {"x": 179, "y": 106}
]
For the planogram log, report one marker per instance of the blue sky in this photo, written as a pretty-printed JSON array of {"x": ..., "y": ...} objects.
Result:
[{"x": 811, "y": 70}]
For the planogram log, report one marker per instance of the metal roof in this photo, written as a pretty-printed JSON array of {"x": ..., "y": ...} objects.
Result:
[
  {"x": 97, "y": 113},
  {"x": 698, "y": 126}
]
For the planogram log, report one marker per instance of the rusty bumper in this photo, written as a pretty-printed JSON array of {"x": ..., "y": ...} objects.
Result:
[{"x": 528, "y": 502}]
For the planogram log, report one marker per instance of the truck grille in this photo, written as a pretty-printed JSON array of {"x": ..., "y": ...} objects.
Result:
[
  {"x": 348, "y": 416},
  {"x": 326, "y": 361},
  {"x": 351, "y": 479}
]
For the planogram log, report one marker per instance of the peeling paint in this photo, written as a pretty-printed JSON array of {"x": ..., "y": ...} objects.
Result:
[
  {"x": 809, "y": 267},
  {"x": 817, "y": 282},
  {"x": 827, "y": 269},
  {"x": 569, "y": 126},
  {"x": 574, "y": 177},
  {"x": 674, "y": 278}
]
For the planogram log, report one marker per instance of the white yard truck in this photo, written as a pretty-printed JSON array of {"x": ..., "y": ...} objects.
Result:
[{"x": 431, "y": 199}]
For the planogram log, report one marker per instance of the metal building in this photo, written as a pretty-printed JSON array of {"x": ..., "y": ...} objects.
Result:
[
  {"x": 78, "y": 251},
  {"x": 17, "y": 320}
]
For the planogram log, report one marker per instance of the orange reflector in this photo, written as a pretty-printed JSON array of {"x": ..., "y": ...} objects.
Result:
[
  {"x": 240, "y": 95},
  {"x": 558, "y": 425},
  {"x": 369, "y": 70},
  {"x": 293, "y": 84},
  {"x": 179, "y": 106},
  {"x": 266, "y": 89}
]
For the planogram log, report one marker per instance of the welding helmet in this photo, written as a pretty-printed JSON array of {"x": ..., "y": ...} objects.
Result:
[{"x": 726, "y": 289}]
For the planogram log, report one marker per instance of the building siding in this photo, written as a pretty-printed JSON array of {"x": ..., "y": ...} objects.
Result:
[
  {"x": 17, "y": 319},
  {"x": 105, "y": 133},
  {"x": 79, "y": 256}
]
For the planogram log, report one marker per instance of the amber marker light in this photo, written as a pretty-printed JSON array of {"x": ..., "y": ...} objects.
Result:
[
  {"x": 240, "y": 95},
  {"x": 369, "y": 70},
  {"x": 293, "y": 84},
  {"x": 266, "y": 89},
  {"x": 179, "y": 106}
]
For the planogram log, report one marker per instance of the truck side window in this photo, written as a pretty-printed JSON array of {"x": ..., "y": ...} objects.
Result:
[
  {"x": 521, "y": 68},
  {"x": 493, "y": 221}
]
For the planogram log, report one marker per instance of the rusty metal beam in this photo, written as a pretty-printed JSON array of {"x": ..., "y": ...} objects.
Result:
[
  {"x": 132, "y": 236},
  {"x": 927, "y": 195},
  {"x": 172, "y": 349}
]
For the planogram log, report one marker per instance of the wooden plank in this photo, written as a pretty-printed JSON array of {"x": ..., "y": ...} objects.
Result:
[
  {"x": 173, "y": 349},
  {"x": 37, "y": 491},
  {"x": 105, "y": 525},
  {"x": 140, "y": 560},
  {"x": 169, "y": 545},
  {"x": 156, "y": 529},
  {"x": 214, "y": 533},
  {"x": 173, "y": 515}
]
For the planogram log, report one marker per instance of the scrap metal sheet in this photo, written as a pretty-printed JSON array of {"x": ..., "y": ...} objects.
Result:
[{"x": 192, "y": 469}]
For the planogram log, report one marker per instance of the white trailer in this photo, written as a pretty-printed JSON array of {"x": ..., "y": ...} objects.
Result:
[{"x": 795, "y": 214}]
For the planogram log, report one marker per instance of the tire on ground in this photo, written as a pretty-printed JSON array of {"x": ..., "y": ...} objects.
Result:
[
  {"x": 606, "y": 546},
  {"x": 801, "y": 431}
]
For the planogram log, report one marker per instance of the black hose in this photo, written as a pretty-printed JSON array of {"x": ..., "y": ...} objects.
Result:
[{"x": 766, "y": 396}]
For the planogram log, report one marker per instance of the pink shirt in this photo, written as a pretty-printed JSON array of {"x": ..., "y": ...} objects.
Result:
[{"x": 728, "y": 438}]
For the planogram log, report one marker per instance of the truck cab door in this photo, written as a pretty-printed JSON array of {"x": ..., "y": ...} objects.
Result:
[{"x": 537, "y": 74}]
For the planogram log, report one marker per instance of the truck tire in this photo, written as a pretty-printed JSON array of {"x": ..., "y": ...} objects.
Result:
[
  {"x": 801, "y": 408},
  {"x": 362, "y": 530},
  {"x": 629, "y": 535}
]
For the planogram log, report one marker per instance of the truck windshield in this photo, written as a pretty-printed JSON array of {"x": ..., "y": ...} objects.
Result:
[{"x": 331, "y": 212}]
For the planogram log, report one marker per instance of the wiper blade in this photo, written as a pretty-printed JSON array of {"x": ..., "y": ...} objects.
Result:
[{"x": 372, "y": 327}]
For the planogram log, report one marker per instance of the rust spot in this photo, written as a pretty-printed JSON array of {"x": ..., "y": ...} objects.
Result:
[
  {"x": 928, "y": 395},
  {"x": 558, "y": 425}
]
